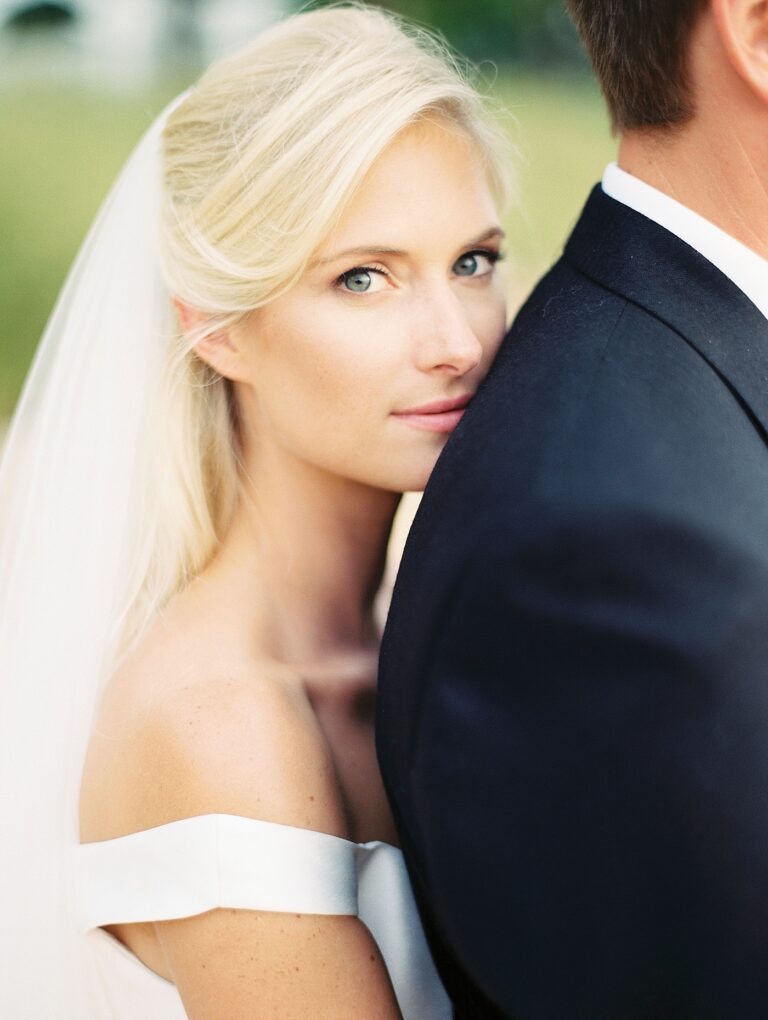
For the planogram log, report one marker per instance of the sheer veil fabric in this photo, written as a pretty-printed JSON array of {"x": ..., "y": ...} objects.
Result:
[{"x": 74, "y": 495}]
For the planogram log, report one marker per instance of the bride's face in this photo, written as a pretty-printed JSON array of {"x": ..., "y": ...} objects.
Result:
[{"x": 363, "y": 367}]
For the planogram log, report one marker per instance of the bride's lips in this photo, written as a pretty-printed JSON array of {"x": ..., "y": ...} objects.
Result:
[{"x": 440, "y": 416}]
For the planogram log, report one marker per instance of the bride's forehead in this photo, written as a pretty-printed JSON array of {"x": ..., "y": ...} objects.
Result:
[
  {"x": 431, "y": 178},
  {"x": 425, "y": 154}
]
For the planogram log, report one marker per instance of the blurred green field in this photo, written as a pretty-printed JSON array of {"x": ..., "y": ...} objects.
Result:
[
  {"x": 561, "y": 131},
  {"x": 61, "y": 149}
]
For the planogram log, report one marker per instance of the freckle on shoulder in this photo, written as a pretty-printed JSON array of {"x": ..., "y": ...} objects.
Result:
[{"x": 240, "y": 743}]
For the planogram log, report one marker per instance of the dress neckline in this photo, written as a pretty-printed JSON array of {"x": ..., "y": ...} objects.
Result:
[{"x": 164, "y": 826}]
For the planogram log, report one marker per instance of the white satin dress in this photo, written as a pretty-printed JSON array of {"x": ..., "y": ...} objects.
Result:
[{"x": 197, "y": 864}]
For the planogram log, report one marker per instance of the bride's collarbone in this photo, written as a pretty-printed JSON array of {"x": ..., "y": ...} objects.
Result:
[
  {"x": 345, "y": 698},
  {"x": 251, "y": 708}
]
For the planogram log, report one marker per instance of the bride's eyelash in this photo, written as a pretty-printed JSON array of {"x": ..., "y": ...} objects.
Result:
[{"x": 492, "y": 254}]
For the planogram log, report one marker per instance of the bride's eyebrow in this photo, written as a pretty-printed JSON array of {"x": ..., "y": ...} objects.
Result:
[
  {"x": 369, "y": 250},
  {"x": 489, "y": 235},
  {"x": 364, "y": 251}
]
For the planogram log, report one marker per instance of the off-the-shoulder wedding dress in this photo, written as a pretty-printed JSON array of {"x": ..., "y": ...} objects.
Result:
[{"x": 197, "y": 864}]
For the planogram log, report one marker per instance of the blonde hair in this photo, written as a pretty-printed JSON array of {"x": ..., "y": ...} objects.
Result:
[{"x": 260, "y": 161}]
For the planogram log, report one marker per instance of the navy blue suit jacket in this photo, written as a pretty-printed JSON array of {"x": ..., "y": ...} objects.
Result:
[{"x": 573, "y": 704}]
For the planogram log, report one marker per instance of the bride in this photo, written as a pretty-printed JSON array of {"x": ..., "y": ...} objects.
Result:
[{"x": 196, "y": 498}]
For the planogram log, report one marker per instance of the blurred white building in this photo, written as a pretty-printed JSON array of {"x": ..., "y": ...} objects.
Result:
[{"x": 126, "y": 43}]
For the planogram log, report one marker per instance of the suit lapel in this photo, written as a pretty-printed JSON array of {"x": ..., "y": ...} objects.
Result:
[{"x": 637, "y": 259}]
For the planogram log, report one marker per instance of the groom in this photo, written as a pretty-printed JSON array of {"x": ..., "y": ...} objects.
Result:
[{"x": 573, "y": 714}]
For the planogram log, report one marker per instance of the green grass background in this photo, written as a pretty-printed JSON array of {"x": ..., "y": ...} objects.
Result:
[{"x": 61, "y": 148}]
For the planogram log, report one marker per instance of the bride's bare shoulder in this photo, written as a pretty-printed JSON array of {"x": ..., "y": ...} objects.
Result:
[{"x": 194, "y": 723}]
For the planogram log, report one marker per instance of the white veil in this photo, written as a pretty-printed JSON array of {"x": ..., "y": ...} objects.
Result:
[{"x": 72, "y": 487}]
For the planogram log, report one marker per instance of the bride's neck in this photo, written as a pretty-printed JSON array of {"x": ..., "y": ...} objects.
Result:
[{"x": 305, "y": 557}]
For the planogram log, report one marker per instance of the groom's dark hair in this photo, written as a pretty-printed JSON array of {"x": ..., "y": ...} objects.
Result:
[{"x": 639, "y": 50}]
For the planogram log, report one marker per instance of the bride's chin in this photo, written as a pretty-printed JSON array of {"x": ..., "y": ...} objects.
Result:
[
  {"x": 400, "y": 471},
  {"x": 413, "y": 481}
]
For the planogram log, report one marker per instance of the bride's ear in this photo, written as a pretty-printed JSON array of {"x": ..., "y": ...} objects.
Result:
[
  {"x": 743, "y": 29},
  {"x": 217, "y": 349}
]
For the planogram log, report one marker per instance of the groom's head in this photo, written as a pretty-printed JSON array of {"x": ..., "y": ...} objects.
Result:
[
  {"x": 655, "y": 59},
  {"x": 639, "y": 50}
]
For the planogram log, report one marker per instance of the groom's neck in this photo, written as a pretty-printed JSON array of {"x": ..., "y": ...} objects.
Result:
[{"x": 721, "y": 178}]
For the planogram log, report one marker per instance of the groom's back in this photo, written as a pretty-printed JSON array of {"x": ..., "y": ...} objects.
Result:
[
  {"x": 573, "y": 707},
  {"x": 576, "y": 662}
]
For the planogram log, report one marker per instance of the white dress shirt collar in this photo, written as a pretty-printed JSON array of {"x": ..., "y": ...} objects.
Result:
[{"x": 740, "y": 264}]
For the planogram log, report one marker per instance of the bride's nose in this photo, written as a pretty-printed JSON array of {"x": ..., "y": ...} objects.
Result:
[{"x": 445, "y": 340}]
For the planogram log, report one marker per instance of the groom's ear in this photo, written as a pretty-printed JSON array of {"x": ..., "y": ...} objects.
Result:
[
  {"x": 216, "y": 348},
  {"x": 743, "y": 29}
]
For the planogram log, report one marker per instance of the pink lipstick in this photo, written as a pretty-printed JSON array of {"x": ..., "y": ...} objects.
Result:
[{"x": 439, "y": 416}]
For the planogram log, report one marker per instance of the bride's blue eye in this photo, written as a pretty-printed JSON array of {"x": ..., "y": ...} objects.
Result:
[
  {"x": 357, "y": 281},
  {"x": 363, "y": 280},
  {"x": 466, "y": 265},
  {"x": 476, "y": 263}
]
